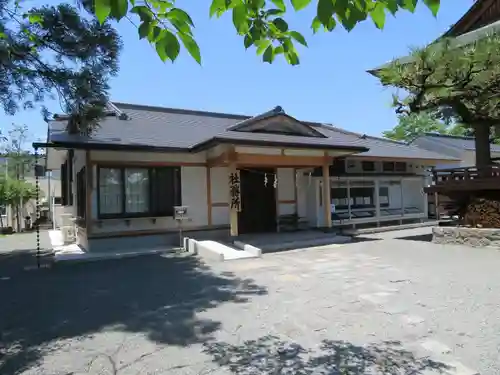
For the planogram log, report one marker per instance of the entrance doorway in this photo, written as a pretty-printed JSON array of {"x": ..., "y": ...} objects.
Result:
[{"x": 258, "y": 201}]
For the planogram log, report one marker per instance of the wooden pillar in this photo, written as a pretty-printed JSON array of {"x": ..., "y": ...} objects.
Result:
[
  {"x": 377, "y": 201},
  {"x": 233, "y": 212},
  {"x": 89, "y": 185},
  {"x": 327, "y": 201},
  {"x": 209, "y": 195},
  {"x": 436, "y": 205}
]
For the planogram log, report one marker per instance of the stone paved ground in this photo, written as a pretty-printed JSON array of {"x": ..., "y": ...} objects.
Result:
[
  {"x": 18, "y": 252},
  {"x": 386, "y": 306}
]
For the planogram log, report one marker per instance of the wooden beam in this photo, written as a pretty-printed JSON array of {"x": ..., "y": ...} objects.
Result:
[
  {"x": 88, "y": 191},
  {"x": 218, "y": 160},
  {"x": 118, "y": 163},
  {"x": 220, "y": 204},
  {"x": 326, "y": 195},
  {"x": 287, "y": 201},
  {"x": 209, "y": 195},
  {"x": 295, "y": 192},
  {"x": 281, "y": 160}
]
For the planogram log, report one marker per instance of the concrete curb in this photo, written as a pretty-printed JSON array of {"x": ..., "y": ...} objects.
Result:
[
  {"x": 357, "y": 232},
  {"x": 255, "y": 251}
]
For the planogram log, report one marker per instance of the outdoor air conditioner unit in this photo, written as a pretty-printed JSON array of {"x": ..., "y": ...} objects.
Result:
[{"x": 68, "y": 234}]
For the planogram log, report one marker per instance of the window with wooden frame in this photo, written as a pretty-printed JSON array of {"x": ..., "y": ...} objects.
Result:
[
  {"x": 388, "y": 166},
  {"x": 125, "y": 192},
  {"x": 368, "y": 166},
  {"x": 400, "y": 166}
]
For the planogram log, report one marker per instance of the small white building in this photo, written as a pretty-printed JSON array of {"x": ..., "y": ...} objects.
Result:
[{"x": 236, "y": 174}]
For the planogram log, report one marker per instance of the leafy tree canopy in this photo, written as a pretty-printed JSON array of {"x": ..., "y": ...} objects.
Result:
[
  {"x": 261, "y": 23},
  {"x": 414, "y": 125},
  {"x": 55, "y": 50}
]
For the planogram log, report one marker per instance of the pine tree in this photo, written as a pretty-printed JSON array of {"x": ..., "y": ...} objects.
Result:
[
  {"x": 458, "y": 81},
  {"x": 56, "y": 51}
]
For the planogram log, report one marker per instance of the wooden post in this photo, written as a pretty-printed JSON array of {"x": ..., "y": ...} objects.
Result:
[
  {"x": 377, "y": 201},
  {"x": 327, "y": 201},
  {"x": 209, "y": 195},
  {"x": 88, "y": 192},
  {"x": 233, "y": 212},
  {"x": 436, "y": 205}
]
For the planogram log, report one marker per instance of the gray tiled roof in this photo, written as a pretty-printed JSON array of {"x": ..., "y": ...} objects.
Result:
[
  {"x": 162, "y": 128},
  {"x": 464, "y": 143},
  {"x": 383, "y": 147}
]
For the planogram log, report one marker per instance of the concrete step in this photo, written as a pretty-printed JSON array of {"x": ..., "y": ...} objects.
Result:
[
  {"x": 258, "y": 247},
  {"x": 217, "y": 250}
]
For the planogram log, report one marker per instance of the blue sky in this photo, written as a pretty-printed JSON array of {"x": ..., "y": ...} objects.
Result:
[{"x": 330, "y": 85}]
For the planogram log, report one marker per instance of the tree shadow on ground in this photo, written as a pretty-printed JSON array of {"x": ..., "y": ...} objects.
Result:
[
  {"x": 421, "y": 237},
  {"x": 270, "y": 355},
  {"x": 158, "y": 296}
]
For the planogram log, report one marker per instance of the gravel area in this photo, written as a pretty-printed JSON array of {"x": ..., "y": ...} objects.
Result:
[{"x": 382, "y": 305}]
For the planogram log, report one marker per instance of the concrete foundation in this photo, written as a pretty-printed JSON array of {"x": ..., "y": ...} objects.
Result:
[{"x": 475, "y": 237}]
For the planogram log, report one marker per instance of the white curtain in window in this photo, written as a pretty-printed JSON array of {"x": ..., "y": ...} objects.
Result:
[
  {"x": 110, "y": 192},
  {"x": 136, "y": 190}
]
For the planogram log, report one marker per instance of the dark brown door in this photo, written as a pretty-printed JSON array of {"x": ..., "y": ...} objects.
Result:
[{"x": 258, "y": 201}]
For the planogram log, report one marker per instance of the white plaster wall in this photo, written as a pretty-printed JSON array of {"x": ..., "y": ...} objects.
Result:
[
  {"x": 413, "y": 194},
  {"x": 286, "y": 190},
  {"x": 220, "y": 185},
  {"x": 313, "y": 206},
  {"x": 258, "y": 150},
  {"x": 302, "y": 192},
  {"x": 220, "y": 215},
  {"x": 194, "y": 194}
]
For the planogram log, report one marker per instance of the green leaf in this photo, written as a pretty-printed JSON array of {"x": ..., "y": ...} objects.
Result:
[
  {"x": 316, "y": 24},
  {"x": 280, "y": 24},
  {"x": 378, "y": 15},
  {"x": 292, "y": 58},
  {"x": 409, "y": 5},
  {"x": 300, "y": 4},
  {"x": 191, "y": 46},
  {"x": 143, "y": 12},
  {"x": 155, "y": 34},
  {"x": 274, "y": 12},
  {"x": 392, "y": 6},
  {"x": 217, "y": 7},
  {"x": 248, "y": 41},
  {"x": 181, "y": 26},
  {"x": 279, "y": 50},
  {"x": 433, "y": 5},
  {"x": 240, "y": 18},
  {"x": 262, "y": 45},
  {"x": 180, "y": 15},
  {"x": 268, "y": 55},
  {"x": 325, "y": 11},
  {"x": 298, "y": 37},
  {"x": 170, "y": 44},
  {"x": 160, "y": 50},
  {"x": 119, "y": 8},
  {"x": 102, "y": 10},
  {"x": 144, "y": 30},
  {"x": 280, "y": 4},
  {"x": 35, "y": 18}
]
